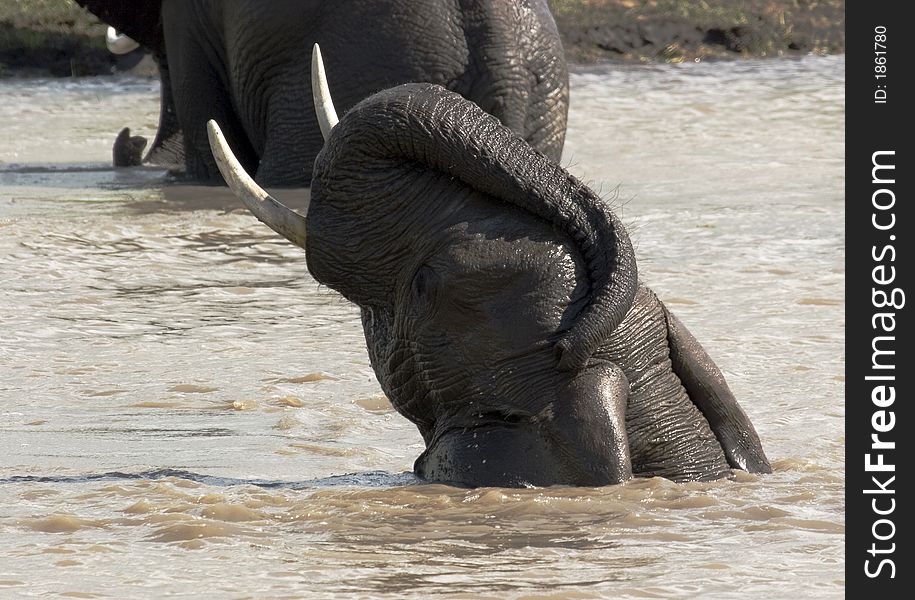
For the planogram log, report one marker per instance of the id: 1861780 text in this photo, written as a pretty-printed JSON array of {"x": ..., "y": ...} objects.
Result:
[{"x": 880, "y": 55}]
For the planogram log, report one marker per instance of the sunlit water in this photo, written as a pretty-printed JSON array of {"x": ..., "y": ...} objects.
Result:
[{"x": 185, "y": 412}]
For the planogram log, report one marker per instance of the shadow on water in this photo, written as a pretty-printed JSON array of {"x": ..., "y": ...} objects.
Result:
[
  {"x": 70, "y": 175},
  {"x": 370, "y": 479},
  {"x": 26, "y": 169},
  {"x": 180, "y": 196},
  {"x": 176, "y": 195}
]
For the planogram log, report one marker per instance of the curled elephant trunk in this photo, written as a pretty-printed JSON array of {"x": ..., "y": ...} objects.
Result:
[
  {"x": 119, "y": 43},
  {"x": 271, "y": 212},
  {"x": 440, "y": 130}
]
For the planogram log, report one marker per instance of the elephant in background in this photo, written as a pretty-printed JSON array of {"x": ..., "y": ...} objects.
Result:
[
  {"x": 501, "y": 304},
  {"x": 245, "y": 64}
]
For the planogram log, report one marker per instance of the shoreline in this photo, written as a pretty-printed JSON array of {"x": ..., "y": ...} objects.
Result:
[
  {"x": 672, "y": 31},
  {"x": 57, "y": 38}
]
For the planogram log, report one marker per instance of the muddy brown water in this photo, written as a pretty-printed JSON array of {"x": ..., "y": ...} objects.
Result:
[{"x": 185, "y": 412}]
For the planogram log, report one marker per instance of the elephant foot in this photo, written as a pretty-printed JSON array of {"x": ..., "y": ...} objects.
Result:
[{"x": 128, "y": 150}]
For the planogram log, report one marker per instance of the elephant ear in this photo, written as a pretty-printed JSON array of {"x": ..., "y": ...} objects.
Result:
[
  {"x": 432, "y": 129},
  {"x": 140, "y": 20}
]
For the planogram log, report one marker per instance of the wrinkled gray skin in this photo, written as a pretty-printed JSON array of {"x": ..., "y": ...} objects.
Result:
[
  {"x": 246, "y": 64},
  {"x": 502, "y": 310}
]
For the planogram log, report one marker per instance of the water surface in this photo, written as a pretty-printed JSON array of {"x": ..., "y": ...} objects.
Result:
[{"x": 185, "y": 412}]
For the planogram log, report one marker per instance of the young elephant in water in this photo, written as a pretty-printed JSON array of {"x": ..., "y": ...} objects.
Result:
[{"x": 501, "y": 304}]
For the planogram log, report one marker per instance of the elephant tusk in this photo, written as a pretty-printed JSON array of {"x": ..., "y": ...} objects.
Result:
[
  {"x": 276, "y": 216},
  {"x": 119, "y": 43},
  {"x": 324, "y": 104}
]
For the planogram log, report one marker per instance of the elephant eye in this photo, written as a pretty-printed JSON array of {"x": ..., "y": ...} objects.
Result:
[
  {"x": 423, "y": 290},
  {"x": 424, "y": 282}
]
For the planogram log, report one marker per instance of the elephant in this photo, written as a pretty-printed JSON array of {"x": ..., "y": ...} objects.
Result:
[
  {"x": 501, "y": 304},
  {"x": 244, "y": 63}
]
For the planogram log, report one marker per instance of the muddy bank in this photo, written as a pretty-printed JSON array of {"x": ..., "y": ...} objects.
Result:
[
  {"x": 58, "y": 38},
  {"x": 677, "y": 30}
]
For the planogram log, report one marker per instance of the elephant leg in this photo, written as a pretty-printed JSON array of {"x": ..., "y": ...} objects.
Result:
[
  {"x": 167, "y": 149},
  {"x": 707, "y": 388},
  {"x": 496, "y": 78},
  {"x": 291, "y": 138},
  {"x": 200, "y": 89},
  {"x": 525, "y": 85}
]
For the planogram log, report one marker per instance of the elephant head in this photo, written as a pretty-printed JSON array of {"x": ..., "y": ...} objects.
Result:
[
  {"x": 491, "y": 284},
  {"x": 487, "y": 277}
]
